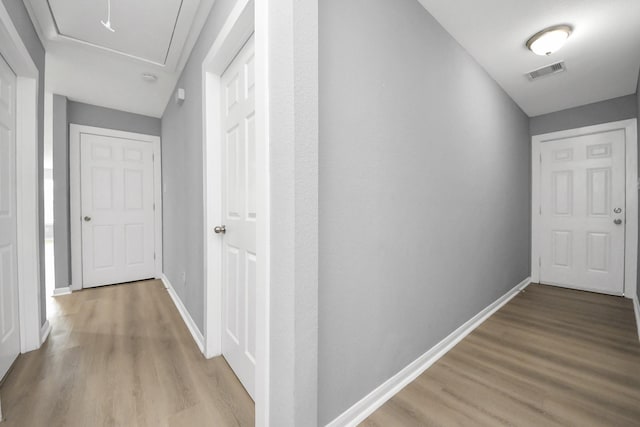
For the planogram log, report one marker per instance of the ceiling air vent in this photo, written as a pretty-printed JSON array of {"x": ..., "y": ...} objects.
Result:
[{"x": 558, "y": 67}]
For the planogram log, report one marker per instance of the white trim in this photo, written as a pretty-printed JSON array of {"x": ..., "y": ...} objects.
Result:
[
  {"x": 636, "y": 310},
  {"x": 44, "y": 332},
  {"x": 236, "y": 30},
  {"x": 263, "y": 196},
  {"x": 62, "y": 291},
  {"x": 186, "y": 317},
  {"x": 367, "y": 405},
  {"x": 14, "y": 51},
  {"x": 75, "y": 197},
  {"x": 631, "y": 226}
]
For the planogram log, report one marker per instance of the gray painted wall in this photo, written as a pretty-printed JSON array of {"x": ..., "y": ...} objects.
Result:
[
  {"x": 424, "y": 193},
  {"x": 27, "y": 33},
  {"x": 638, "y": 113},
  {"x": 61, "y": 225},
  {"x": 182, "y": 154},
  {"x": 66, "y": 112},
  {"x": 611, "y": 110},
  {"x": 92, "y": 115}
]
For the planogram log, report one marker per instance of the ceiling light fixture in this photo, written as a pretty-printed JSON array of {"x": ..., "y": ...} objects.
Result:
[
  {"x": 549, "y": 40},
  {"x": 107, "y": 24}
]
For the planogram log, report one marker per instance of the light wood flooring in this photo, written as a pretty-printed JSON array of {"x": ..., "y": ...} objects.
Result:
[
  {"x": 550, "y": 357},
  {"x": 121, "y": 356}
]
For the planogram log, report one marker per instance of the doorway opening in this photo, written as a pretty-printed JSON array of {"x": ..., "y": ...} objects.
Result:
[
  {"x": 116, "y": 206},
  {"x": 585, "y": 208}
]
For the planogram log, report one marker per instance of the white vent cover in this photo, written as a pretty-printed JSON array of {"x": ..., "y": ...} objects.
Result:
[{"x": 547, "y": 70}]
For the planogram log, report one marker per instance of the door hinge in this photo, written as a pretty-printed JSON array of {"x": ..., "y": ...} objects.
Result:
[
  {"x": 153, "y": 157},
  {"x": 154, "y": 255},
  {"x": 154, "y": 206},
  {"x": 540, "y": 210},
  {"x": 539, "y": 261},
  {"x": 540, "y": 157}
]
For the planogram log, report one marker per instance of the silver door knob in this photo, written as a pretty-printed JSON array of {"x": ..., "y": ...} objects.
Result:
[
  {"x": 87, "y": 218},
  {"x": 220, "y": 229},
  {"x": 617, "y": 221},
  {"x": 617, "y": 210}
]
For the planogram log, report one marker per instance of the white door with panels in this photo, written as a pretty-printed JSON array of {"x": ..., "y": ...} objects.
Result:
[
  {"x": 9, "y": 308},
  {"x": 117, "y": 205},
  {"x": 582, "y": 195},
  {"x": 239, "y": 216}
]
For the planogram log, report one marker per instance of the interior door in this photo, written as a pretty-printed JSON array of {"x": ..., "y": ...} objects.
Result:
[
  {"x": 9, "y": 314},
  {"x": 239, "y": 215},
  {"x": 117, "y": 193},
  {"x": 583, "y": 212}
]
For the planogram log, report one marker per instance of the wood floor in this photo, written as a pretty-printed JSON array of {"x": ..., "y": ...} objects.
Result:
[
  {"x": 122, "y": 356},
  {"x": 549, "y": 357}
]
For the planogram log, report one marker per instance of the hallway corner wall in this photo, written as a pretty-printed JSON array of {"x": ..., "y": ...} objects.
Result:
[
  {"x": 638, "y": 124},
  {"x": 425, "y": 193},
  {"x": 61, "y": 223},
  {"x": 182, "y": 174}
]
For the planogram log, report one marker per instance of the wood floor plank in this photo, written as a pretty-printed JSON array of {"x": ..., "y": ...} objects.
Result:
[
  {"x": 551, "y": 356},
  {"x": 122, "y": 356}
]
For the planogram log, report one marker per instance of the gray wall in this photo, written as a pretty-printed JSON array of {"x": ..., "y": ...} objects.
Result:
[
  {"x": 61, "y": 225},
  {"x": 182, "y": 154},
  {"x": 27, "y": 33},
  {"x": 424, "y": 193},
  {"x": 92, "y": 115},
  {"x": 66, "y": 112},
  {"x": 611, "y": 110}
]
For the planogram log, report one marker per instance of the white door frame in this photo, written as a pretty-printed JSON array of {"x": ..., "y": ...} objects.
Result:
[
  {"x": 234, "y": 34},
  {"x": 237, "y": 29},
  {"x": 286, "y": 71},
  {"x": 75, "y": 131},
  {"x": 631, "y": 198},
  {"x": 17, "y": 56}
]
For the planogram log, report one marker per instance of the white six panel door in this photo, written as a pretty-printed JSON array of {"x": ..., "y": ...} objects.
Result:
[
  {"x": 583, "y": 212},
  {"x": 239, "y": 216},
  {"x": 9, "y": 314},
  {"x": 117, "y": 191}
]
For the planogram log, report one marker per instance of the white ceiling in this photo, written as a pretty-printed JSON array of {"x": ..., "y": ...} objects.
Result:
[
  {"x": 602, "y": 55},
  {"x": 88, "y": 63}
]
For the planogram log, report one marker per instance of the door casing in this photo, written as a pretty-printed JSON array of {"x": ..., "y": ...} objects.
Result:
[
  {"x": 75, "y": 132},
  {"x": 631, "y": 195},
  {"x": 33, "y": 329}
]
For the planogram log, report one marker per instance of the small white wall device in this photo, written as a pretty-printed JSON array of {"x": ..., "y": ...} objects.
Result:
[{"x": 180, "y": 96}]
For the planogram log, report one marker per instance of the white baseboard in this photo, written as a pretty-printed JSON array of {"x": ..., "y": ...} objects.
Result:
[
  {"x": 44, "y": 331},
  {"x": 61, "y": 291},
  {"x": 191, "y": 325},
  {"x": 367, "y": 405},
  {"x": 636, "y": 309}
]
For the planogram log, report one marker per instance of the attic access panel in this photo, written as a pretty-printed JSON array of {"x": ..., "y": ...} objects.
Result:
[{"x": 143, "y": 28}]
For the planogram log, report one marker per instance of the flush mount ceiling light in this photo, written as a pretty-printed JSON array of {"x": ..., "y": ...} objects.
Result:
[
  {"x": 549, "y": 40},
  {"x": 107, "y": 24}
]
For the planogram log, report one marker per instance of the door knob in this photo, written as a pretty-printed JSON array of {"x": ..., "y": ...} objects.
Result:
[
  {"x": 617, "y": 210},
  {"x": 220, "y": 229},
  {"x": 617, "y": 221},
  {"x": 87, "y": 218}
]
